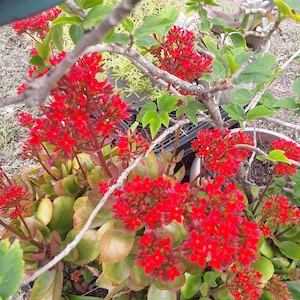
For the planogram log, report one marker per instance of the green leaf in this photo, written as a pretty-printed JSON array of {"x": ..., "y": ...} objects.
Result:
[
  {"x": 294, "y": 288},
  {"x": 121, "y": 38},
  {"x": 259, "y": 111},
  {"x": 191, "y": 286},
  {"x": 11, "y": 271},
  {"x": 296, "y": 86},
  {"x": 164, "y": 118},
  {"x": 204, "y": 288},
  {"x": 296, "y": 190},
  {"x": 278, "y": 156},
  {"x": 128, "y": 25},
  {"x": 211, "y": 43},
  {"x": 210, "y": 277},
  {"x": 44, "y": 48},
  {"x": 238, "y": 40},
  {"x": 62, "y": 220},
  {"x": 115, "y": 245},
  {"x": 159, "y": 24},
  {"x": 57, "y": 37},
  {"x": 259, "y": 70},
  {"x": 167, "y": 102},
  {"x": 190, "y": 110},
  {"x": 146, "y": 41},
  {"x": 66, "y": 20},
  {"x": 154, "y": 294},
  {"x": 265, "y": 267},
  {"x": 205, "y": 24},
  {"x": 76, "y": 297},
  {"x": 86, "y": 4},
  {"x": 148, "y": 117},
  {"x": 48, "y": 286},
  {"x": 36, "y": 60},
  {"x": 96, "y": 15},
  {"x": 75, "y": 32},
  {"x": 235, "y": 111},
  {"x": 287, "y": 102},
  {"x": 266, "y": 249},
  {"x": 241, "y": 96},
  {"x": 45, "y": 211},
  {"x": 290, "y": 249},
  {"x": 86, "y": 251}
]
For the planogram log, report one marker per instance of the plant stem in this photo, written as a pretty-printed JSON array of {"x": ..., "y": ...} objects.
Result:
[
  {"x": 284, "y": 231},
  {"x": 80, "y": 166},
  {"x": 177, "y": 136},
  {"x": 21, "y": 236}
]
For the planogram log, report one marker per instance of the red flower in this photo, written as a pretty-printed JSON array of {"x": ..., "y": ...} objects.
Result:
[
  {"x": 246, "y": 285},
  {"x": 278, "y": 289},
  {"x": 176, "y": 54},
  {"x": 277, "y": 211},
  {"x": 157, "y": 257},
  {"x": 218, "y": 152},
  {"x": 292, "y": 151},
  {"x": 37, "y": 24}
]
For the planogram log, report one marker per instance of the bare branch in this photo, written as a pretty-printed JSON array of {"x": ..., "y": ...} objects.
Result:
[
  {"x": 39, "y": 88},
  {"x": 74, "y": 9},
  {"x": 283, "y": 123},
  {"x": 118, "y": 184}
]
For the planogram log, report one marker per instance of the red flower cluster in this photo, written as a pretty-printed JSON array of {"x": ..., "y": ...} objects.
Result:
[
  {"x": 176, "y": 54},
  {"x": 157, "y": 257},
  {"x": 292, "y": 151},
  {"x": 37, "y": 24},
  {"x": 131, "y": 146},
  {"x": 218, "y": 150},
  {"x": 12, "y": 199},
  {"x": 143, "y": 202},
  {"x": 219, "y": 232},
  {"x": 84, "y": 111},
  {"x": 277, "y": 211},
  {"x": 246, "y": 284},
  {"x": 278, "y": 289}
]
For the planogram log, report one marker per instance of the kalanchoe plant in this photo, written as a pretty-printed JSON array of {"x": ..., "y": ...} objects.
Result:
[{"x": 156, "y": 236}]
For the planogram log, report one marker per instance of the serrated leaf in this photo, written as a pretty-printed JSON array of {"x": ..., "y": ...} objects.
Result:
[
  {"x": 121, "y": 38},
  {"x": 75, "y": 32},
  {"x": 190, "y": 110},
  {"x": 259, "y": 111},
  {"x": 235, "y": 111},
  {"x": 278, "y": 156},
  {"x": 211, "y": 43},
  {"x": 259, "y": 70},
  {"x": 36, "y": 60},
  {"x": 164, "y": 119},
  {"x": 288, "y": 102},
  {"x": 86, "y": 4},
  {"x": 96, "y": 15},
  {"x": 167, "y": 102},
  {"x": 146, "y": 41},
  {"x": 238, "y": 40},
  {"x": 11, "y": 271},
  {"x": 148, "y": 117},
  {"x": 128, "y": 24},
  {"x": 66, "y": 20},
  {"x": 159, "y": 24},
  {"x": 57, "y": 37},
  {"x": 241, "y": 96}
]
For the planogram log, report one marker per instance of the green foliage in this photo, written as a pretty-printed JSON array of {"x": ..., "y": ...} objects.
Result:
[{"x": 11, "y": 272}]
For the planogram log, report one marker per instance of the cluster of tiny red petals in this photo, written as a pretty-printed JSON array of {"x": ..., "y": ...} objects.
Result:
[
  {"x": 218, "y": 151},
  {"x": 276, "y": 211},
  {"x": 157, "y": 257},
  {"x": 278, "y": 289},
  {"x": 131, "y": 146},
  {"x": 11, "y": 200},
  {"x": 177, "y": 55},
  {"x": 219, "y": 232},
  {"x": 246, "y": 283},
  {"x": 38, "y": 24},
  {"x": 149, "y": 203},
  {"x": 83, "y": 108},
  {"x": 291, "y": 151}
]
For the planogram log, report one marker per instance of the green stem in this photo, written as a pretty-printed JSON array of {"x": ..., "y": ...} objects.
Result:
[{"x": 284, "y": 231}]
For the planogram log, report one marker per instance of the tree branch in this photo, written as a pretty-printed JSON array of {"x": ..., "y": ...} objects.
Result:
[{"x": 39, "y": 88}]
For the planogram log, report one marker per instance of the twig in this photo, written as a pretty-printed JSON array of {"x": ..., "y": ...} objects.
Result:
[
  {"x": 39, "y": 88},
  {"x": 283, "y": 123},
  {"x": 71, "y": 5},
  {"x": 118, "y": 184}
]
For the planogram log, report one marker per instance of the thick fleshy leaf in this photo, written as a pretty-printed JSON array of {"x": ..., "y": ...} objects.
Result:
[
  {"x": 86, "y": 250},
  {"x": 266, "y": 249},
  {"x": 11, "y": 271},
  {"x": 70, "y": 186},
  {"x": 44, "y": 211},
  {"x": 48, "y": 286},
  {"x": 290, "y": 249},
  {"x": 62, "y": 220},
  {"x": 265, "y": 267},
  {"x": 294, "y": 288},
  {"x": 115, "y": 245},
  {"x": 192, "y": 285},
  {"x": 38, "y": 230},
  {"x": 119, "y": 271},
  {"x": 139, "y": 277},
  {"x": 154, "y": 294}
]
